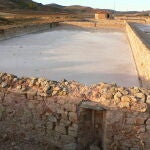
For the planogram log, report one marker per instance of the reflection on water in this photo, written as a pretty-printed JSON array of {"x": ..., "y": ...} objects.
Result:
[{"x": 86, "y": 56}]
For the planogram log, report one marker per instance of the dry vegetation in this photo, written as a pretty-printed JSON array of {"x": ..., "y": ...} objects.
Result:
[{"x": 9, "y": 20}]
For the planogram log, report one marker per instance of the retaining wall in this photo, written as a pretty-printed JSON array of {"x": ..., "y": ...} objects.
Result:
[
  {"x": 25, "y": 29},
  {"x": 70, "y": 116},
  {"x": 141, "y": 50},
  {"x": 99, "y": 24}
]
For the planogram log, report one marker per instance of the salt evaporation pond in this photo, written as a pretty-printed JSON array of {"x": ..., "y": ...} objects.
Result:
[{"x": 87, "y": 56}]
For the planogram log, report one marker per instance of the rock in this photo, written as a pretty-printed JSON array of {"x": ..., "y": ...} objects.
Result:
[
  {"x": 134, "y": 148},
  {"x": 66, "y": 139},
  {"x": 18, "y": 87},
  {"x": 118, "y": 95},
  {"x": 148, "y": 99},
  {"x": 124, "y": 104},
  {"x": 140, "y": 121},
  {"x": 52, "y": 118},
  {"x": 70, "y": 146},
  {"x": 73, "y": 131},
  {"x": 66, "y": 83},
  {"x": 93, "y": 147},
  {"x": 148, "y": 122},
  {"x": 64, "y": 89},
  {"x": 15, "y": 79},
  {"x": 54, "y": 93},
  {"x": 124, "y": 92},
  {"x": 2, "y": 109},
  {"x": 148, "y": 128},
  {"x": 1, "y": 81},
  {"x": 73, "y": 116},
  {"x": 56, "y": 88},
  {"x": 60, "y": 129},
  {"x": 125, "y": 99},
  {"x": 3, "y": 85},
  {"x": 65, "y": 123},
  {"x": 47, "y": 88},
  {"x": 140, "y": 96}
]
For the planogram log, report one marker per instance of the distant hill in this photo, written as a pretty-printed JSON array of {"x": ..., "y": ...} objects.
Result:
[
  {"x": 79, "y": 9},
  {"x": 29, "y": 5},
  {"x": 19, "y": 4},
  {"x": 55, "y": 5}
]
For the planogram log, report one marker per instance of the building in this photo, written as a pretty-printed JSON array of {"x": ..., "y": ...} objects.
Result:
[{"x": 103, "y": 15}]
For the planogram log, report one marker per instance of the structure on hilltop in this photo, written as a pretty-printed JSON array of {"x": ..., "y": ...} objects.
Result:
[{"x": 103, "y": 15}]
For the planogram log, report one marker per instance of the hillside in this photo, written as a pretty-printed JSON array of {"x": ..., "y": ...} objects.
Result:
[
  {"x": 23, "y": 5},
  {"x": 29, "y": 6},
  {"x": 18, "y": 4}
]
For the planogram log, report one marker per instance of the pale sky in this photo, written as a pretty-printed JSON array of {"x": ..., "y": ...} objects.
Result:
[{"x": 123, "y": 5}]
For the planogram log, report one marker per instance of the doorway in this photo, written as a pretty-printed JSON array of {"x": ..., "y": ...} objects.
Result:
[{"x": 91, "y": 128}]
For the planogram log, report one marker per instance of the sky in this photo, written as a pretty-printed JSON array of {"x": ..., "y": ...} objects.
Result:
[{"x": 123, "y": 5}]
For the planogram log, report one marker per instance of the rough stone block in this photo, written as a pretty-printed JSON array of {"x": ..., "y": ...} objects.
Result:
[
  {"x": 130, "y": 121},
  {"x": 71, "y": 146},
  {"x": 148, "y": 99},
  {"x": 61, "y": 129},
  {"x": 72, "y": 131},
  {"x": 73, "y": 117},
  {"x": 65, "y": 123},
  {"x": 93, "y": 147},
  {"x": 66, "y": 139},
  {"x": 64, "y": 115},
  {"x": 140, "y": 121},
  {"x": 1, "y": 96},
  {"x": 50, "y": 125},
  {"x": 70, "y": 107},
  {"x": 148, "y": 122},
  {"x": 52, "y": 118},
  {"x": 134, "y": 148}
]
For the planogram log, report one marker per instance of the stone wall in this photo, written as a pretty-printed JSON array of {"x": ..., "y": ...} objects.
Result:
[
  {"x": 25, "y": 29},
  {"x": 39, "y": 114},
  {"x": 133, "y": 19},
  {"x": 99, "y": 24},
  {"x": 141, "y": 51}
]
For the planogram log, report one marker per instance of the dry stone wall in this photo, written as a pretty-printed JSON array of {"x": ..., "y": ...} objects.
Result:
[
  {"x": 141, "y": 51},
  {"x": 70, "y": 116}
]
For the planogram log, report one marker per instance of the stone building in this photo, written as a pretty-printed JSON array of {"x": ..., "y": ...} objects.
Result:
[{"x": 103, "y": 15}]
